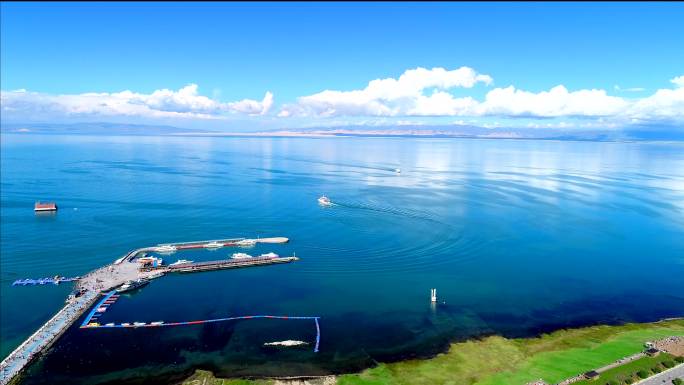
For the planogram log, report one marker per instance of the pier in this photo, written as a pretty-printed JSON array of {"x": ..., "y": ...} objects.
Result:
[
  {"x": 227, "y": 264},
  {"x": 105, "y": 279},
  {"x": 44, "y": 337}
]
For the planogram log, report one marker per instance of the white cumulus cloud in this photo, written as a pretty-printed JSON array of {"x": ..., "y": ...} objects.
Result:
[
  {"x": 253, "y": 107},
  {"x": 405, "y": 95},
  {"x": 183, "y": 103},
  {"x": 557, "y": 101},
  {"x": 678, "y": 81},
  {"x": 423, "y": 92}
]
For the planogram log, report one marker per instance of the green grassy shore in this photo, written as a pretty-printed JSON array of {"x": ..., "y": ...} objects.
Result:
[{"x": 501, "y": 361}]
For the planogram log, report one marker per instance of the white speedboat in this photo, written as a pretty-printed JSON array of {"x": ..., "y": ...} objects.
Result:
[
  {"x": 324, "y": 200},
  {"x": 246, "y": 242},
  {"x": 397, "y": 170},
  {"x": 213, "y": 245},
  {"x": 286, "y": 343},
  {"x": 241, "y": 256},
  {"x": 132, "y": 285},
  {"x": 181, "y": 262},
  {"x": 166, "y": 249},
  {"x": 269, "y": 255}
]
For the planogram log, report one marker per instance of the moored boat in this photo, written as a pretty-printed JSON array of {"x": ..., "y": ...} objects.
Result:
[
  {"x": 165, "y": 249},
  {"x": 181, "y": 262},
  {"x": 246, "y": 242},
  {"x": 132, "y": 285},
  {"x": 286, "y": 343},
  {"x": 45, "y": 206}
]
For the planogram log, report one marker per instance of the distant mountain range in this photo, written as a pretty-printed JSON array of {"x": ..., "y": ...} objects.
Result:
[
  {"x": 453, "y": 131},
  {"x": 95, "y": 128}
]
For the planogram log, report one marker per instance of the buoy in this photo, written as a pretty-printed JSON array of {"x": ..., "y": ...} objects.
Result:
[{"x": 433, "y": 295}]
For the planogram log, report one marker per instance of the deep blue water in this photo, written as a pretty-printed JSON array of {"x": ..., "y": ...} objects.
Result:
[{"x": 519, "y": 237}]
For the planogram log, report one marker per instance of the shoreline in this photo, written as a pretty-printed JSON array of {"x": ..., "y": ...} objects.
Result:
[{"x": 574, "y": 338}]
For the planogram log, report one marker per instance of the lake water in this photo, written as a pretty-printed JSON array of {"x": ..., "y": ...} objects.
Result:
[{"x": 519, "y": 237}]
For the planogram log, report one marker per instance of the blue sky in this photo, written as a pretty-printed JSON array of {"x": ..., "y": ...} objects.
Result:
[{"x": 237, "y": 53}]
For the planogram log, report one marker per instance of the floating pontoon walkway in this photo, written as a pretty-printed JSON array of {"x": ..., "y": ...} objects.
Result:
[
  {"x": 88, "y": 319},
  {"x": 43, "y": 281}
]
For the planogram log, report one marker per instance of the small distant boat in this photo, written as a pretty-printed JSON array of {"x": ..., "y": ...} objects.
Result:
[
  {"x": 166, "y": 249},
  {"x": 286, "y": 343},
  {"x": 132, "y": 285},
  {"x": 125, "y": 324},
  {"x": 94, "y": 324},
  {"x": 45, "y": 206},
  {"x": 213, "y": 245},
  {"x": 110, "y": 324},
  {"x": 139, "y": 324},
  {"x": 397, "y": 170},
  {"x": 246, "y": 242},
  {"x": 324, "y": 200},
  {"x": 269, "y": 255},
  {"x": 157, "y": 323},
  {"x": 241, "y": 256},
  {"x": 181, "y": 262}
]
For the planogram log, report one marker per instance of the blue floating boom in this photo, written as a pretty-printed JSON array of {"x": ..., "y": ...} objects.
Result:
[{"x": 90, "y": 315}]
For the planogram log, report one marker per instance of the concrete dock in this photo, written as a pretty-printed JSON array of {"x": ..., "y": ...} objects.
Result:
[
  {"x": 45, "y": 336},
  {"x": 227, "y": 264},
  {"x": 113, "y": 275}
]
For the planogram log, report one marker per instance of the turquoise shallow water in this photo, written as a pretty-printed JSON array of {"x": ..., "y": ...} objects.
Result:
[{"x": 518, "y": 237}]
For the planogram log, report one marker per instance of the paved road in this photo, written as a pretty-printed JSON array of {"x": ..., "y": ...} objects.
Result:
[{"x": 664, "y": 378}]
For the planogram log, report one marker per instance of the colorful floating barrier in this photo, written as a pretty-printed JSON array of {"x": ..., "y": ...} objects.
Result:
[
  {"x": 43, "y": 281},
  {"x": 90, "y": 322}
]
